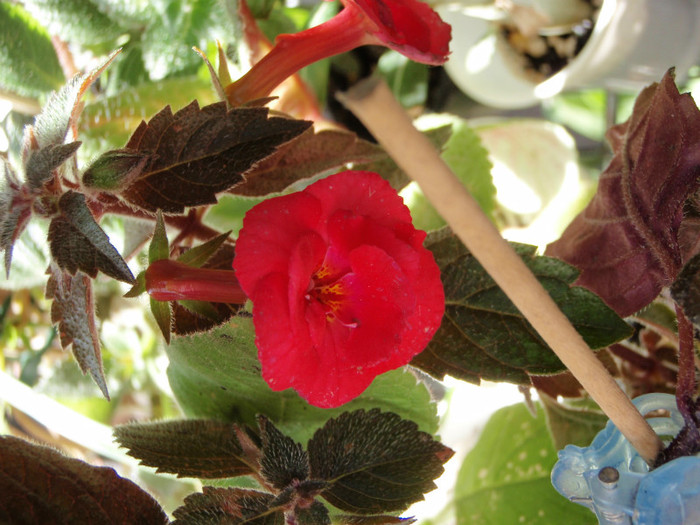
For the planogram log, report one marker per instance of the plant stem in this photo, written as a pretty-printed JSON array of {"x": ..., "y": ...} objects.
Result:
[
  {"x": 374, "y": 104},
  {"x": 685, "y": 389}
]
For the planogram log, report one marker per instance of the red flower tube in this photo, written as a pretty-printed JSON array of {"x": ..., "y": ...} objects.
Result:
[
  {"x": 168, "y": 280},
  {"x": 342, "y": 288},
  {"x": 408, "y": 26}
]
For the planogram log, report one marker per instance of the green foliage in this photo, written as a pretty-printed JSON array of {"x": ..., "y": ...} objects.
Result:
[
  {"x": 483, "y": 335},
  {"x": 35, "y": 70},
  {"x": 217, "y": 375},
  {"x": 505, "y": 477}
]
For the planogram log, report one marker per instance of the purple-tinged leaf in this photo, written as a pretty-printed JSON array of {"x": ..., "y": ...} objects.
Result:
[
  {"x": 310, "y": 155},
  {"x": 15, "y": 211},
  {"x": 233, "y": 506},
  {"x": 373, "y": 520},
  {"x": 78, "y": 243},
  {"x": 40, "y": 485},
  {"x": 314, "y": 514},
  {"x": 375, "y": 461},
  {"x": 195, "y": 448},
  {"x": 42, "y": 163},
  {"x": 284, "y": 462},
  {"x": 626, "y": 241},
  {"x": 199, "y": 152},
  {"x": 73, "y": 309}
]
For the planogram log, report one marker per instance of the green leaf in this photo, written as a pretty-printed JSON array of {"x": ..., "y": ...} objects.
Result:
[
  {"x": 505, "y": 478},
  {"x": 78, "y": 243},
  {"x": 216, "y": 375},
  {"x": 78, "y": 21},
  {"x": 572, "y": 424},
  {"x": 73, "y": 308},
  {"x": 375, "y": 461},
  {"x": 115, "y": 169},
  {"x": 163, "y": 315},
  {"x": 483, "y": 335},
  {"x": 27, "y": 58},
  {"x": 198, "y": 153},
  {"x": 283, "y": 461},
  {"x": 196, "y": 448},
  {"x": 199, "y": 255},
  {"x": 469, "y": 160},
  {"x": 232, "y": 506},
  {"x": 40, "y": 485},
  {"x": 159, "y": 248},
  {"x": 407, "y": 79}
]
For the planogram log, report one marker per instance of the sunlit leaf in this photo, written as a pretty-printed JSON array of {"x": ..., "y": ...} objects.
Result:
[
  {"x": 505, "y": 478},
  {"x": 35, "y": 70},
  {"x": 375, "y": 461},
  {"x": 626, "y": 241}
]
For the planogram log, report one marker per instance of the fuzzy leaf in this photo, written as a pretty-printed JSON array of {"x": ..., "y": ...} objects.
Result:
[
  {"x": 40, "y": 485},
  {"x": 196, "y": 448},
  {"x": 160, "y": 247},
  {"x": 198, "y": 153},
  {"x": 115, "y": 169},
  {"x": 232, "y": 506},
  {"x": 686, "y": 289},
  {"x": 163, "y": 315},
  {"x": 376, "y": 461},
  {"x": 311, "y": 154},
  {"x": 483, "y": 335},
  {"x": 505, "y": 478},
  {"x": 315, "y": 514},
  {"x": 42, "y": 162},
  {"x": 35, "y": 70},
  {"x": 15, "y": 211},
  {"x": 283, "y": 461},
  {"x": 626, "y": 241},
  {"x": 61, "y": 111},
  {"x": 73, "y": 308},
  {"x": 217, "y": 375},
  {"x": 78, "y": 243}
]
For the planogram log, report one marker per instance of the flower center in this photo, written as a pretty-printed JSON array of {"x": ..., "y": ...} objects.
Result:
[{"x": 328, "y": 290}]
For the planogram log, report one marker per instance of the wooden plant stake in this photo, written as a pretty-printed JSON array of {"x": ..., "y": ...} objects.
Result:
[{"x": 374, "y": 104}]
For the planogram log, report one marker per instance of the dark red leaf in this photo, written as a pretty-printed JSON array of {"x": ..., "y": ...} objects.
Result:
[
  {"x": 40, "y": 485},
  {"x": 199, "y": 152},
  {"x": 626, "y": 242}
]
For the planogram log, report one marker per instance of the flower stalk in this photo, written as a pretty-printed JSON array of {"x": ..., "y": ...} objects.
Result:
[{"x": 408, "y": 26}]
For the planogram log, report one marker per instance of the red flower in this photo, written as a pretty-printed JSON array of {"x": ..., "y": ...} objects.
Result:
[
  {"x": 342, "y": 287},
  {"x": 410, "y": 27}
]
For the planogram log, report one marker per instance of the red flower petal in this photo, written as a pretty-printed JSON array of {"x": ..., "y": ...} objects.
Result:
[
  {"x": 342, "y": 287},
  {"x": 410, "y": 27}
]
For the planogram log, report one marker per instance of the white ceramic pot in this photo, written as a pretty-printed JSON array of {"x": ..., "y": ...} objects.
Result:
[{"x": 633, "y": 43}]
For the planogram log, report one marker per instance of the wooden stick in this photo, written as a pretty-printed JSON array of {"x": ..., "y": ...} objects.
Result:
[{"x": 374, "y": 104}]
